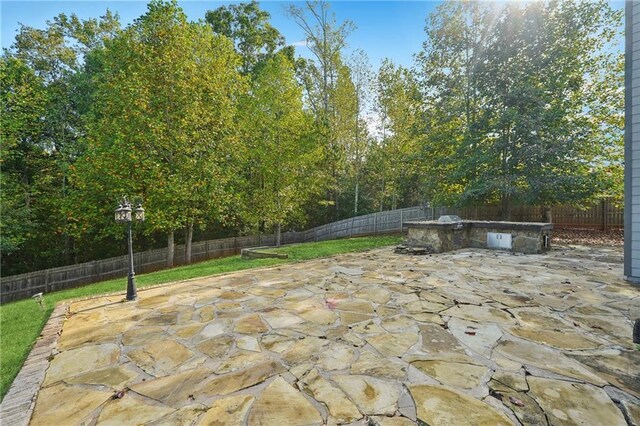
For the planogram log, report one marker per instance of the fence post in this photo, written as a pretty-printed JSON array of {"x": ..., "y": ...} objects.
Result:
[
  {"x": 375, "y": 224},
  {"x": 400, "y": 220},
  {"x": 604, "y": 214}
]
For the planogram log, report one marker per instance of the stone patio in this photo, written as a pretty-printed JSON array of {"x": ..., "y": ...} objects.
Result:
[{"x": 472, "y": 337}]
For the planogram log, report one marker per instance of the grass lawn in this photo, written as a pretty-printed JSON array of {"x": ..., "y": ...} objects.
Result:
[{"x": 21, "y": 322}]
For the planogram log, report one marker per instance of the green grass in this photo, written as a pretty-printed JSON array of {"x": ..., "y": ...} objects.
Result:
[{"x": 21, "y": 322}]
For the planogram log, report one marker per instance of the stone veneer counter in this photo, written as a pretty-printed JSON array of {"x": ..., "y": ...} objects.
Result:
[{"x": 521, "y": 237}]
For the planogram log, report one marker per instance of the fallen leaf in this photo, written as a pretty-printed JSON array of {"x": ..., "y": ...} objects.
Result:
[
  {"x": 470, "y": 333},
  {"x": 516, "y": 401}
]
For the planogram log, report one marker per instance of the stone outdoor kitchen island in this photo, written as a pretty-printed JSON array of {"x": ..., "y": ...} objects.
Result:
[{"x": 468, "y": 337}]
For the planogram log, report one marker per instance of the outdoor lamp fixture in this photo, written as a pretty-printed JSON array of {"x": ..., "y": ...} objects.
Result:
[{"x": 123, "y": 215}]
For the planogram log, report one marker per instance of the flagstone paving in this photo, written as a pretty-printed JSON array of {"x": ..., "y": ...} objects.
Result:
[{"x": 467, "y": 337}]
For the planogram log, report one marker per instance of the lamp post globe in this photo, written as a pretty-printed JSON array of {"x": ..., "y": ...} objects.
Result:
[{"x": 123, "y": 214}]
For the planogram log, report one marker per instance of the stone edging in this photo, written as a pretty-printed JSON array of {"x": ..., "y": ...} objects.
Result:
[{"x": 18, "y": 404}]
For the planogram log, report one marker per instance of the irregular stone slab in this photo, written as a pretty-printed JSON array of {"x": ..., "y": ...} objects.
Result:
[
  {"x": 525, "y": 408},
  {"x": 138, "y": 336},
  {"x": 373, "y": 365},
  {"x": 391, "y": 421},
  {"x": 440, "y": 343},
  {"x": 346, "y": 271},
  {"x": 227, "y": 411},
  {"x": 438, "y": 405},
  {"x": 372, "y": 395},
  {"x": 374, "y": 294},
  {"x": 368, "y": 327},
  {"x": 240, "y": 360},
  {"x": 160, "y": 357},
  {"x": 207, "y": 313},
  {"x": 393, "y": 344},
  {"x": 128, "y": 410},
  {"x": 349, "y": 318},
  {"x": 250, "y": 324},
  {"x": 52, "y": 405},
  {"x": 633, "y": 412},
  {"x": 280, "y": 404},
  {"x": 116, "y": 377},
  {"x": 248, "y": 343},
  {"x": 186, "y": 331},
  {"x": 281, "y": 319},
  {"x": 185, "y": 416},
  {"x": 319, "y": 316},
  {"x": 217, "y": 347},
  {"x": 84, "y": 334},
  {"x": 336, "y": 401},
  {"x": 336, "y": 357},
  {"x": 304, "y": 349},
  {"x": 81, "y": 360},
  {"x": 214, "y": 329},
  {"x": 238, "y": 380},
  {"x": 568, "y": 403},
  {"x": 422, "y": 306},
  {"x": 546, "y": 358},
  {"x": 175, "y": 389},
  {"x": 480, "y": 314},
  {"x": 455, "y": 374},
  {"x": 355, "y": 305},
  {"x": 399, "y": 323},
  {"x": 612, "y": 328},
  {"x": 515, "y": 381},
  {"x": 557, "y": 339},
  {"x": 274, "y": 293},
  {"x": 277, "y": 342},
  {"x": 619, "y": 367},
  {"x": 480, "y": 338},
  {"x": 160, "y": 318}
]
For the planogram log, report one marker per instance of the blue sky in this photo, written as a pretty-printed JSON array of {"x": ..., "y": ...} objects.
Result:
[{"x": 393, "y": 29}]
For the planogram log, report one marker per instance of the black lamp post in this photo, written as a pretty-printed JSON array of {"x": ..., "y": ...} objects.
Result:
[{"x": 123, "y": 215}]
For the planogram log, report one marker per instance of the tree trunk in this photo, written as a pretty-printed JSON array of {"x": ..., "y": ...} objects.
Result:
[
  {"x": 546, "y": 214},
  {"x": 187, "y": 243},
  {"x": 506, "y": 208},
  {"x": 170, "y": 249},
  {"x": 278, "y": 234},
  {"x": 355, "y": 209}
]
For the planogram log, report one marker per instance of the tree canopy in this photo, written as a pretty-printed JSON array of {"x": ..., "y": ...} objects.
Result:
[{"x": 221, "y": 128}]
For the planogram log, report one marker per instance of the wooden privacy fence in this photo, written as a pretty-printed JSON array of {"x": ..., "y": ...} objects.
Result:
[
  {"x": 604, "y": 215},
  {"x": 25, "y": 285}
]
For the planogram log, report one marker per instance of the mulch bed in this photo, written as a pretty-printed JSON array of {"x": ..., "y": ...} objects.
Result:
[{"x": 589, "y": 237}]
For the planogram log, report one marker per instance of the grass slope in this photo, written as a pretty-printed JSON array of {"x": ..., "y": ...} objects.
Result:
[{"x": 21, "y": 322}]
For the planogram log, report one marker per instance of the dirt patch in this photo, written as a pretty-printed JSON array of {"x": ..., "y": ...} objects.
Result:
[{"x": 588, "y": 237}]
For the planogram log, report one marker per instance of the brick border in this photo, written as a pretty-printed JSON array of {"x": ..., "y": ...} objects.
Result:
[{"x": 18, "y": 404}]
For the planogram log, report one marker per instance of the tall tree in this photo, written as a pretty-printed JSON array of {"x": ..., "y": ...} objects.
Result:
[
  {"x": 56, "y": 56},
  {"x": 281, "y": 153},
  {"x": 536, "y": 132},
  {"x": 395, "y": 162},
  {"x": 164, "y": 123},
  {"x": 255, "y": 39},
  {"x": 326, "y": 40}
]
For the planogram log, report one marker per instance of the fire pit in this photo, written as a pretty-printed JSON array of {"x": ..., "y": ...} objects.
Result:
[{"x": 452, "y": 233}]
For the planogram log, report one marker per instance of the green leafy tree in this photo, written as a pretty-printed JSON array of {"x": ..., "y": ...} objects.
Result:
[
  {"x": 281, "y": 152},
  {"x": 326, "y": 40},
  {"x": 48, "y": 143},
  {"x": 255, "y": 39},
  {"x": 163, "y": 124},
  {"x": 395, "y": 160},
  {"x": 535, "y": 111}
]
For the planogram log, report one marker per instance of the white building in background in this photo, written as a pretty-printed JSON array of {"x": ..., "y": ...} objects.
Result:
[{"x": 632, "y": 143}]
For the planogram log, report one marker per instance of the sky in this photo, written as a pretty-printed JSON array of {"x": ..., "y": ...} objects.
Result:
[{"x": 385, "y": 29}]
